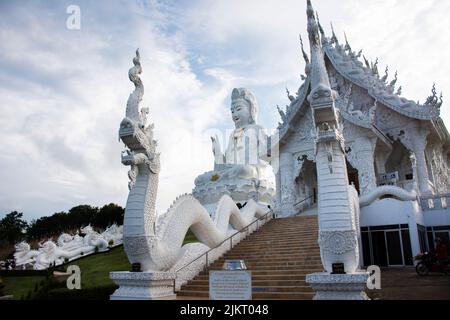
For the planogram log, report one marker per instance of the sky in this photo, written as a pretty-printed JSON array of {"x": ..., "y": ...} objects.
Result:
[{"x": 63, "y": 91}]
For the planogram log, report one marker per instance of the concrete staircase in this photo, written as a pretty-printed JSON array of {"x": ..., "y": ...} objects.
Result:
[{"x": 279, "y": 255}]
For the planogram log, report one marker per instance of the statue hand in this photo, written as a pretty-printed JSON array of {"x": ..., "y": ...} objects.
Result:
[
  {"x": 215, "y": 145},
  {"x": 217, "y": 151}
]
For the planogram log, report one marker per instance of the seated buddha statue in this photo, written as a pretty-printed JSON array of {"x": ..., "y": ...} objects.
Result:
[{"x": 244, "y": 167}]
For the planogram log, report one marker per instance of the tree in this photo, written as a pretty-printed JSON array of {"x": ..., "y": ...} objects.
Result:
[
  {"x": 108, "y": 215},
  {"x": 82, "y": 215},
  {"x": 2, "y": 286},
  {"x": 12, "y": 227}
]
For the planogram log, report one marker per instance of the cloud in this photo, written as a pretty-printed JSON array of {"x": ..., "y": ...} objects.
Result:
[{"x": 64, "y": 92}]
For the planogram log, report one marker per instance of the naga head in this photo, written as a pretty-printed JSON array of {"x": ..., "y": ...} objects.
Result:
[{"x": 22, "y": 247}]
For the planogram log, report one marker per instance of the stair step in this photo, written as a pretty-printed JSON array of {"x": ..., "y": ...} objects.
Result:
[
  {"x": 257, "y": 295},
  {"x": 302, "y": 272},
  {"x": 270, "y": 267},
  {"x": 279, "y": 276},
  {"x": 259, "y": 283},
  {"x": 287, "y": 256},
  {"x": 279, "y": 255},
  {"x": 255, "y": 289}
]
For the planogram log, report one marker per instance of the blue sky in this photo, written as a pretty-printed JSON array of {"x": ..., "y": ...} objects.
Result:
[{"x": 63, "y": 92}]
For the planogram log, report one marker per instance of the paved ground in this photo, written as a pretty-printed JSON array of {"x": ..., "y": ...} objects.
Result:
[{"x": 405, "y": 284}]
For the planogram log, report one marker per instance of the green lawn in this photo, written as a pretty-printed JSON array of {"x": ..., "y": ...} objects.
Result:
[
  {"x": 95, "y": 271},
  {"x": 20, "y": 286}
]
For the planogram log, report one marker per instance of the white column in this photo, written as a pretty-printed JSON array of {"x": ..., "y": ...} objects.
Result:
[
  {"x": 414, "y": 235},
  {"x": 380, "y": 162},
  {"x": 365, "y": 150},
  {"x": 415, "y": 139},
  {"x": 287, "y": 184},
  {"x": 361, "y": 157}
]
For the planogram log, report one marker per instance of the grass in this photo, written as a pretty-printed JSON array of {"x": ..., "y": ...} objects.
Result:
[
  {"x": 95, "y": 271},
  {"x": 20, "y": 286}
]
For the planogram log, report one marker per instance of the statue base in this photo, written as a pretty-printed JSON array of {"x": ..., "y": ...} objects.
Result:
[
  {"x": 339, "y": 286},
  {"x": 240, "y": 190},
  {"x": 143, "y": 285}
]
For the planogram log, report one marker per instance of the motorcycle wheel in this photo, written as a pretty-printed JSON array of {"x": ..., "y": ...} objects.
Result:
[{"x": 422, "y": 269}]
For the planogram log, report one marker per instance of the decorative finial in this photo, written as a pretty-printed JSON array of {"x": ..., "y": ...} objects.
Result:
[
  {"x": 291, "y": 98},
  {"x": 399, "y": 91},
  {"x": 347, "y": 45},
  {"x": 386, "y": 75},
  {"x": 375, "y": 68},
  {"x": 359, "y": 54},
  {"x": 313, "y": 28},
  {"x": 305, "y": 55},
  {"x": 433, "y": 100},
  {"x": 322, "y": 33},
  {"x": 132, "y": 111},
  {"x": 367, "y": 63},
  {"x": 334, "y": 39},
  {"x": 394, "y": 81},
  {"x": 282, "y": 114}
]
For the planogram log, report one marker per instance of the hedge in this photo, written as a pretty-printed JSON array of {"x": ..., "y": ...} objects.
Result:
[{"x": 98, "y": 293}]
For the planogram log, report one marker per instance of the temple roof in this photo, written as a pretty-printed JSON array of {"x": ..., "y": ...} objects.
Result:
[
  {"x": 364, "y": 75},
  {"x": 346, "y": 62}
]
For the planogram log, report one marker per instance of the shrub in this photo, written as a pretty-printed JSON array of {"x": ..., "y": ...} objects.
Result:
[
  {"x": 97, "y": 293},
  {"x": 96, "y": 249},
  {"x": 66, "y": 260},
  {"x": 81, "y": 253},
  {"x": 111, "y": 242},
  {"x": 2, "y": 286}
]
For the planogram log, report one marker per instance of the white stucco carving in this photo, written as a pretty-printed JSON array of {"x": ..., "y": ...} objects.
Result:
[
  {"x": 243, "y": 171},
  {"x": 338, "y": 205},
  {"x": 379, "y": 192},
  {"x": 67, "y": 248},
  {"x": 156, "y": 243}
]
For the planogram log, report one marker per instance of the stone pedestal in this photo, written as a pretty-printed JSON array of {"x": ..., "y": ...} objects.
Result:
[
  {"x": 339, "y": 286},
  {"x": 143, "y": 285}
]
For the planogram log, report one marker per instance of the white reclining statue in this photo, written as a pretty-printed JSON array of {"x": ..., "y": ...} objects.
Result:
[
  {"x": 24, "y": 255},
  {"x": 66, "y": 248}
]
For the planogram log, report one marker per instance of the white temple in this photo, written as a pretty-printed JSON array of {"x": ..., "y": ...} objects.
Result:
[
  {"x": 371, "y": 165},
  {"x": 388, "y": 140}
]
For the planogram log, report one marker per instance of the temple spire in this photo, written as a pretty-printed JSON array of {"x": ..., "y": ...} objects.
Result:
[
  {"x": 313, "y": 28},
  {"x": 305, "y": 55},
  {"x": 321, "y": 92},
  {"x": 334, "y": 39},
  {"x": 347, "y": 44},
  {"x": 322, "y": 33}
]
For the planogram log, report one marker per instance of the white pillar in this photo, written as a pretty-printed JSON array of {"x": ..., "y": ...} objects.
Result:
[
  {"x": 287, "y": 184},
  {"x": 365, "y": 150},
  {"x": 415, "y": 139}
]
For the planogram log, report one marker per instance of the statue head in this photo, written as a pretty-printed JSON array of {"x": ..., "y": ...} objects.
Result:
[
  {"x": 243, "y": 107},
  {"x": 23, "y": 246}
]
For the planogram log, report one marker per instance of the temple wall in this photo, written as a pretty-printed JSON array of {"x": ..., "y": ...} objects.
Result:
[{"x": 392, "y": 212}]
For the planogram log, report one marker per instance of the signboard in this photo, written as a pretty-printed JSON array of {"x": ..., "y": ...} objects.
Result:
[
  {"x": 389, "y": 178},
  {"x": 338, "y": 268},
  {"x": 230, "y": 285}
]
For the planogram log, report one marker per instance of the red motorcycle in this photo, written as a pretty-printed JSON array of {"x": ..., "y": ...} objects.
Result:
[{"x": 428, "y": 262}]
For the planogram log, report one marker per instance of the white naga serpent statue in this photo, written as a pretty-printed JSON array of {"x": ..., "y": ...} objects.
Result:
[{"x": 156, "y": 243}]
